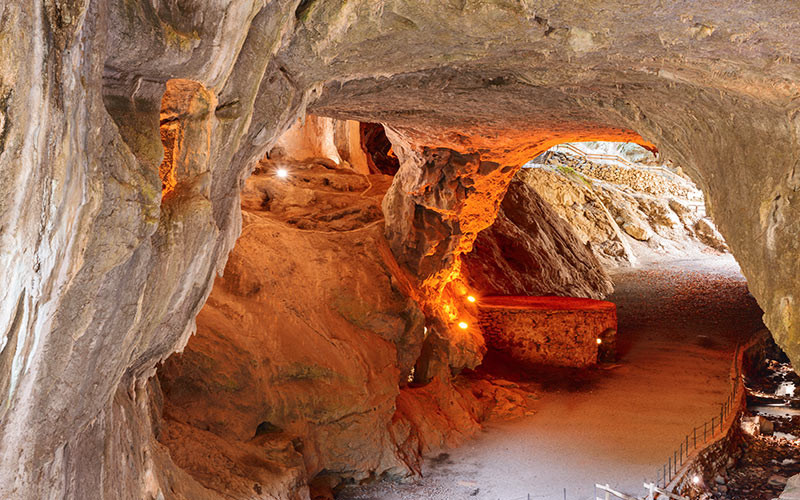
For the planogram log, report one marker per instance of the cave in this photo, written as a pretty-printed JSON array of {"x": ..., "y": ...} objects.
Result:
[{"x": 307, "y": 250}]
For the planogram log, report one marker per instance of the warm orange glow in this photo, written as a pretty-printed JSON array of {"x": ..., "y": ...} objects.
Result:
[
  {"x": 463, "y": 325},
  {"x": 599, "y": 341},
  {"x": 282, "y": 173},
  {"x": 170, "y": 136},
  {"x": 471, "y": 298}
]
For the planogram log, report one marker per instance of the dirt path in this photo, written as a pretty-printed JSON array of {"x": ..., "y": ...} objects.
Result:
[{"x": 679, "y": 324}]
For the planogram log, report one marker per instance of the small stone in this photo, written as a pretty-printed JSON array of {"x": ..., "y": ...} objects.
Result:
[{"x": 777, "y": 480}]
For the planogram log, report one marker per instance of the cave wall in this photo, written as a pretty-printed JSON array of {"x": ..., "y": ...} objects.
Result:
[
  {"x": 531, "y": 250},
  {"x": 104, "y": 275}
]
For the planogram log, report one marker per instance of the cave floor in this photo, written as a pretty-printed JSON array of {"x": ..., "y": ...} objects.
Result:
[{"x": 679, "y": 323}]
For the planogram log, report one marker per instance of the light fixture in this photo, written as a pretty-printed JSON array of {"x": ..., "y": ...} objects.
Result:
[
  {"x": 282, "y": 173},
  {"x": 696, "y": 479},
  {"x": 470, "y": 298},
  {"x": 463, "y": 325},
  {"x": 599, "y": 341}
]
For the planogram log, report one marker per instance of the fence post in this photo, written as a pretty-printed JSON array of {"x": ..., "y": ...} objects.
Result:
[
  {"x": 694, "y": 431},
  {"x": 681, "y": 454},
  {"x": 608, "y": 495}
]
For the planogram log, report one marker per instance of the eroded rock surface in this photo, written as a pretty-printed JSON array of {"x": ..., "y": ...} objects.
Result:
[
  {"x": 530, "y": 250},
  {"x": 104, "y": 274},
  {"x": 305, "y": 349}
]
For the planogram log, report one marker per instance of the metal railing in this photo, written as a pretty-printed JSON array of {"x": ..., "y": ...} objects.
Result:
[
  {"x": 652, "y": 491},
  {"x": 610, "y": 157},
  {"x": 699, "y": 436}
]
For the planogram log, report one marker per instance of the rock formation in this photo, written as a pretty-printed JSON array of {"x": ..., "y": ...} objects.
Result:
[
  {"x": 630, "y": 215},
  {"x": 530, "y": 250},
  {"x": 106, "y": 264}
]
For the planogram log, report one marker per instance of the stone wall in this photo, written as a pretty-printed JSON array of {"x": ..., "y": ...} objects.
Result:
[{"x": 561, "y": 331}]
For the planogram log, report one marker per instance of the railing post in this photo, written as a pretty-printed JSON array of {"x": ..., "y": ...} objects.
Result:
[
  {"x": 694, "y": 432},
  {"x": 681, "y": 454},
  {"x": 705, "y": 425}
]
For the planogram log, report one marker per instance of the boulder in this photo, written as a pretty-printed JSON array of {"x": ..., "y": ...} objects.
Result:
[{"x": 708, "y": 234}]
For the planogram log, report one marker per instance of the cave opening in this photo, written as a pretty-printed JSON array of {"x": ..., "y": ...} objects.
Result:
[
  {"x": 298, "y": 250},
  {"x": 540, "y": 327}
]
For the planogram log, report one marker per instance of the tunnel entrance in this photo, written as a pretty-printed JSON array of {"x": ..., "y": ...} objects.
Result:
[{"x": 422, "y": 368}]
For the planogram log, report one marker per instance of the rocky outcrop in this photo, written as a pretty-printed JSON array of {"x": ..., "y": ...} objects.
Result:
[
  {"x": 622, "y": 223},
  {"x": 530, "y": 250},
  {"x": 303, "y": 344}
]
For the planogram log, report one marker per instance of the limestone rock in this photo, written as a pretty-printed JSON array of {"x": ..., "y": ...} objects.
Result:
[
  {"x": 309, "y": 365},
  {"x": 104, "y": 272},
  {"x": 638, "y": 230},
  {"x": 530, "y": 250},
  {"x": 709, "y": 235}
]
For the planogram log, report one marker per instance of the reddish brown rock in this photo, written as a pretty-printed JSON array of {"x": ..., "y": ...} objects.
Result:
[{"x": 560, "y": 331}]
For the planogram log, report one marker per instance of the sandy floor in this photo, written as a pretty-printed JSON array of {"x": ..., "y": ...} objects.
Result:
[{"x": 679, "y": 324}]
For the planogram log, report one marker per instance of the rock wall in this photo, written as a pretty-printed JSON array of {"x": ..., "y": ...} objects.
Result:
[
  {"x": 307, "y": 349},
  {"x": 530, "y": 250},
  {"x": 557, "y": 331},
  {"x": 627, "y": 221},
  {"x": 104, "y": 273}
]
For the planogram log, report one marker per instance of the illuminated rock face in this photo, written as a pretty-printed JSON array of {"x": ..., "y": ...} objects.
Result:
[
  {"x": 559, "y": 331},
  {"x": 103, "y": 276},
  {"x": 530, "y": 250}
]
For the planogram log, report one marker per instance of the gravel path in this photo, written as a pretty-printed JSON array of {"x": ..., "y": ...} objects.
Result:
[{"x": 679, "y": 324}]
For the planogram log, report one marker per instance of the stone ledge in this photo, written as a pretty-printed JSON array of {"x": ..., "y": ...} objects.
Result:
[{"x": 560, "y": 331}]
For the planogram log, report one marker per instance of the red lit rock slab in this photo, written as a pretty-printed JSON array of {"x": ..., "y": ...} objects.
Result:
[{"x": 560, "y": 331}]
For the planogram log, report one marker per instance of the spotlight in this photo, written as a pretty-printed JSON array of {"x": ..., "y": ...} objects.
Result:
[
  {"x": 463, "y": 325},
  {"x": 695, "y": 479},
  {"x": 282, "y": 173},
  {"x": 599, "y": 341},
  {"x": 470, "y": 298}
]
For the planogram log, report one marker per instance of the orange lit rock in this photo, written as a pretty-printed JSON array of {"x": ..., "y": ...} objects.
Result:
[
  {"x": 560, "y": 331},
  {"x": 185, "y": 115},
  {"x": 304, "y": 342}
]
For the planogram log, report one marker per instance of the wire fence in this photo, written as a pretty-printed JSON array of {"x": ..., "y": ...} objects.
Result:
[{"x": 699, "y": 436}]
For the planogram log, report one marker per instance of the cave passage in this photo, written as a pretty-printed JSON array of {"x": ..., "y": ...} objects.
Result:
[
  {"x": 679, "y": 325},
  {"x": 309, "y": 249}
]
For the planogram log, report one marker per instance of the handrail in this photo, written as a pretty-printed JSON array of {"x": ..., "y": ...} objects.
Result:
[
  {"x": 727, "y": 417},
  {"x": 609, "y": 492},
  {"x": 600, "y": 156}
]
